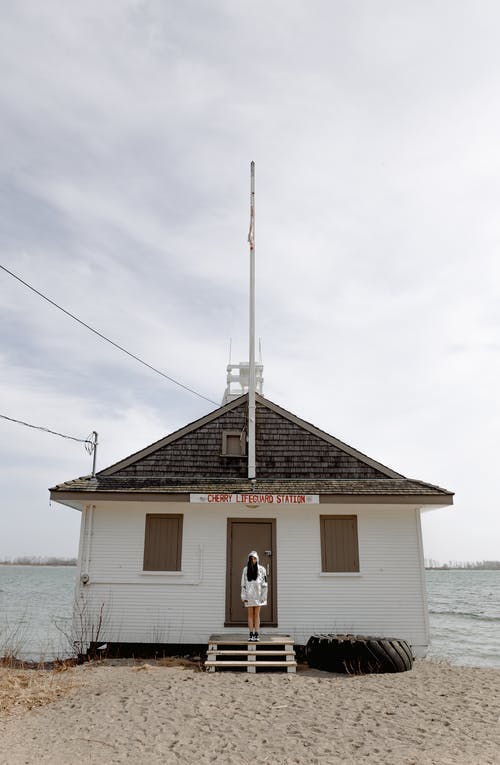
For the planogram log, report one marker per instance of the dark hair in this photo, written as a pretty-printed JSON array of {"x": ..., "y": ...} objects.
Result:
[{"x": 252, "y": 570}]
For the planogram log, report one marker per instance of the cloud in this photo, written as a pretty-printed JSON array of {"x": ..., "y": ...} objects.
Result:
[{"x": 127, "y": 132}]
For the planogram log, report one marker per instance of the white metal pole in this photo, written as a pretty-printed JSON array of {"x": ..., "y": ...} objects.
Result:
[
  {"x": 251, "y": 360},
  {"x": 94, "y": 459}
]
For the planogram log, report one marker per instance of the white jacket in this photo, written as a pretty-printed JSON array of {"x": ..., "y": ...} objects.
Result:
[{"x": 254, "y": 592}]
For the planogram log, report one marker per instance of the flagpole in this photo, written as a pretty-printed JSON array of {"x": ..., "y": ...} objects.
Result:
[{"x": 251, "y": 359}]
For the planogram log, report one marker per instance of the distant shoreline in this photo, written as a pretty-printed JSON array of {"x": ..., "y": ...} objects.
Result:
[
  {"x": 72, "y": 563},
  {"x": 462, "y": 568},
  {"x": 52, "y": 564}
]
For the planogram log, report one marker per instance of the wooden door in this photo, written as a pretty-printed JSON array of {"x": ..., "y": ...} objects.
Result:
[{"x": 243, "y": 536}]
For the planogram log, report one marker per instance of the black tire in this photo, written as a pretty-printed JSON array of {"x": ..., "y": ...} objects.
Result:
[
  {"x": 358, "y": 654},
  {"x": 386, "y": 655}
]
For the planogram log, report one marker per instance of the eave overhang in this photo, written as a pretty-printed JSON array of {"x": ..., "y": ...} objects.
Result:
[{"x": 78, "y": 498}]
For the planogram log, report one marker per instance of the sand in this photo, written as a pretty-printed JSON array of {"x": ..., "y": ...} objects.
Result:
[{"x": 145, "y": 713}]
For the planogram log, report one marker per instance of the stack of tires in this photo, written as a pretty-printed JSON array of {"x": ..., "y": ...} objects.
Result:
[{"x": 358, "y": 654}]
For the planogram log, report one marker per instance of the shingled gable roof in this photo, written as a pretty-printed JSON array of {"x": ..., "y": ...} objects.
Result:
[
  {"x": 293, "y": 456},
  {"x": 229, "y": 423}
]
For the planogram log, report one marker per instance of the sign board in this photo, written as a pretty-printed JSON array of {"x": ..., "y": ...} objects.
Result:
[{"x": 256, "y": 499}]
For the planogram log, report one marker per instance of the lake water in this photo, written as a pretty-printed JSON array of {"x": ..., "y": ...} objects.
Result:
[
  {"x": 464, "y": 613},
  {"x": 35, "y": 611}
]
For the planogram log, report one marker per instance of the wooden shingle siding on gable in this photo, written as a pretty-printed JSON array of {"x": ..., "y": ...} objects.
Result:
[
  {"x": 286, "y": 450},
  {"x": 197, "y": 453},
  {"x": 283, "y": 450}
]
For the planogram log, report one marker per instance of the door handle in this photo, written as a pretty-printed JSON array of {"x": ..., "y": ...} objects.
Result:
[{"x": 268, "y": 552}]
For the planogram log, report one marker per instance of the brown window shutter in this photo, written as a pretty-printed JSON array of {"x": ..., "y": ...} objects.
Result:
[
  {"x": 233, "y": 445},
  {"x": 163, "y": 542},
  {"x": 339, "y": 543}
]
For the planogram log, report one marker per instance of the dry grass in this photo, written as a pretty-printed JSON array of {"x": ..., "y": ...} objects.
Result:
[
  {"x": 179, "y": 661},
  {"x": 26, "y": 687},
  {"x": 22, "y": 690},
  {"x": 58, "y": 665}
]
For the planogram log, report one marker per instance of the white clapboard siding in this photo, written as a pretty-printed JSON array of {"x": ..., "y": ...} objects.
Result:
[{"x": 386, "y": 598}]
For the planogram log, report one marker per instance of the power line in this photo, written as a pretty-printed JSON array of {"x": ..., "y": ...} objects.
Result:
[
  {"x": 47, "y": 430},
  {"x": 111, "y": 342}
]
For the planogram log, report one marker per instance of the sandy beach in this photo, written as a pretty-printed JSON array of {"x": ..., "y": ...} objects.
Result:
[{"x": 147, "y": 713}]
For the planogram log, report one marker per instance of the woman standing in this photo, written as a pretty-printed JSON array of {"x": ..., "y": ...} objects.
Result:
[{"x": 254, "y": 592}]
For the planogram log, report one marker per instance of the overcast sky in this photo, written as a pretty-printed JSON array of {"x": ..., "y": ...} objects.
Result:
[{"x": 126, "y": 133}]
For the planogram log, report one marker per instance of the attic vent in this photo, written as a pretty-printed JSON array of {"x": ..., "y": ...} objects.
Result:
[{"x": 233, "y": 443}]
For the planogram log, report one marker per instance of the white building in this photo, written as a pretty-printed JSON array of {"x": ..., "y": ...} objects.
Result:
[{"x": 165, "y": 534}]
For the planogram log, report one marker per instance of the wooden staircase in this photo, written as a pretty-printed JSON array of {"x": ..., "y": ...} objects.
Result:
[{"x": 237, "y": 652}]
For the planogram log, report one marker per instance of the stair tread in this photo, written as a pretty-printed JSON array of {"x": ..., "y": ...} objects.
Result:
[
  {"x": 251, "y": 653},
  {"x": 241, "y": 640},
  {"x": 250, "y": 663},
  {"x": 242, "y": 637},
  {"x": 260, "y": 642}
]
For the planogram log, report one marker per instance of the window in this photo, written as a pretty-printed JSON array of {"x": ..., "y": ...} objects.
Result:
[
  {"x": 339, "y": 543},
  {"x": 163, "y": 542},
  {"x": 234, "y": 443}
]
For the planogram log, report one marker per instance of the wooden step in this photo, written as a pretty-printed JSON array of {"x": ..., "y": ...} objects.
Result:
[
  {"x": 246, "y": 653},
  {"x": 278, "y": 651},
  {"x": 260, "y": 643},
  {"x": 237, "y": 663},
  {"x": 250, "y": 665},
  {"x": 242, "y": 639}
]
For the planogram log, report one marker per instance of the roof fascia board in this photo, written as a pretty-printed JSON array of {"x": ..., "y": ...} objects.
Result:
[
  {"x": 173, "y": 437},
  {"x": 416, "y": 500},
  {"x": 328, "y": 438},
  {"x": 63, "y": 497}
]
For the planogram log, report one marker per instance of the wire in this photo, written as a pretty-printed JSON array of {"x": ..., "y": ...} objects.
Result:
[
  {"x": 111, "y": 342},
  {"x": 91, "y": 443},
  {"x": 47, "y": 430}
]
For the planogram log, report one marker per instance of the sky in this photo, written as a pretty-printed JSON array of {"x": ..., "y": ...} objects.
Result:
[{"x": 127, "y": 131}]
